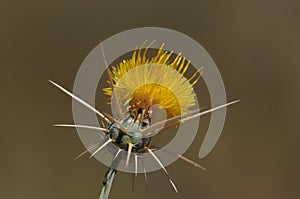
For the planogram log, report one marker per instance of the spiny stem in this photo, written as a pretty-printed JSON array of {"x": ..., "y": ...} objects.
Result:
[
  {"x": 148, "y": 132},
  {"x": 101, "y": 147},
  {"x": 114, "y": 95},
  {"x": 81, "y": 101},
  {"x": 87, "y": 150},
  {"x": 82, "y": 126},
  {"x": 162, "y": 166},
  {"x": 130, "y": 145}
]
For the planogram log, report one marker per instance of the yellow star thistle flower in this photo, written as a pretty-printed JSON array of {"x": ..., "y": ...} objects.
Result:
[{"x": 141, "y": 82}]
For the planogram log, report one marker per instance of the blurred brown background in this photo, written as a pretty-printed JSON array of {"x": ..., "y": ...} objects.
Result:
[{"x": 255, "y": 45}]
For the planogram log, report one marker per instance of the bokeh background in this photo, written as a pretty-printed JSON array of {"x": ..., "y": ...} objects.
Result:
[{"x": 255, "y": 44}]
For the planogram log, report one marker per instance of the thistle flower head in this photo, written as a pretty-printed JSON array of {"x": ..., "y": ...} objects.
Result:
[{"x": 141, "y": 82}]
